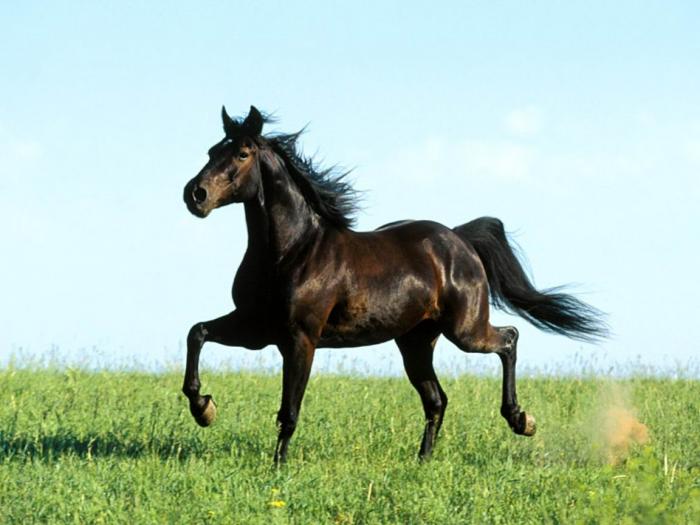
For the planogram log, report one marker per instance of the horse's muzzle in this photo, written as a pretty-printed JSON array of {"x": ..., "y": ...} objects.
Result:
[{"x": 195, "y": 198}]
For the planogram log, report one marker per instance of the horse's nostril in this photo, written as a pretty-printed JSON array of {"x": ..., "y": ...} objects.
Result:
[{"x": 199, "y": 195}]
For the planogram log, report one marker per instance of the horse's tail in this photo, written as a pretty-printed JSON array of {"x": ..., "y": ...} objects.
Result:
[{"x": 512, "y": 291}]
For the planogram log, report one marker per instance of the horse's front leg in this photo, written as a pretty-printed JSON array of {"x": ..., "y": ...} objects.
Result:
[
  {"x": 297, "y": 357},
  {"x": 233, "y": 329}
]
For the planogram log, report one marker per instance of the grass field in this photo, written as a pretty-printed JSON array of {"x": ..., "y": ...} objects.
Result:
[{"x": 118, "y": 447}]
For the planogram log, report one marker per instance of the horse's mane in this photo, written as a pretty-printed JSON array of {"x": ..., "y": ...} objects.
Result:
[{"x": 327, "y": 190}]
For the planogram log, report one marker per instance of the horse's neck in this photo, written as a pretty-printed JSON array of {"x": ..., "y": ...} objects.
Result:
[
  {"x": 279, "y": 220},
  {"x": 257, "y": 224}
]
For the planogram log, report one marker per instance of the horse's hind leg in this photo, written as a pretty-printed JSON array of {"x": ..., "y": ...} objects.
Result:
[
  {"x": 502, "y": 341},
  {"x": 519, "y": 421},
  {"x": 417, "y": 352}
]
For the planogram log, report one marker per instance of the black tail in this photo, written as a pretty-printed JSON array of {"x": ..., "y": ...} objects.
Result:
[{"x": 511, "y": 290}]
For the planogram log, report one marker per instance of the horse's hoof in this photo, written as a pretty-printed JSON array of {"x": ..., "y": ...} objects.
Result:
[
  {"x": 528, "y": 425},
  {"x": 208, "y": 414}
]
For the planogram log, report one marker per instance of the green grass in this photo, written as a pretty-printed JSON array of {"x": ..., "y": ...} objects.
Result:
[{"x": 120, "y": 447}]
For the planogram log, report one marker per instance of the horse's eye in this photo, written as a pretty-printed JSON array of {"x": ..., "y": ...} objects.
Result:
[{"x": 242, "y": 155}]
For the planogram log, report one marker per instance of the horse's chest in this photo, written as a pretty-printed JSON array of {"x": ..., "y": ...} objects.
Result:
[{"x": 252, "y": 284}]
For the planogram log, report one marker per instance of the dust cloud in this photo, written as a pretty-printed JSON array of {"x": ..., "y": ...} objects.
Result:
[{"x": 620, "y": 429}]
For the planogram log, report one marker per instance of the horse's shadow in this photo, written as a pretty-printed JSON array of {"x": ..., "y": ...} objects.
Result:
[{"x": 60, "y": 444}]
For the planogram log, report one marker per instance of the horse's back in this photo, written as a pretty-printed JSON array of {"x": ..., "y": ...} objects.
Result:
[
  {"x": 455, "y": 264},
  {"x": 438, "y": 236}
]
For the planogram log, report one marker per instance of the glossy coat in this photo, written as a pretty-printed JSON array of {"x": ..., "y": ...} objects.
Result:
[{"x": 308, "y": 280}]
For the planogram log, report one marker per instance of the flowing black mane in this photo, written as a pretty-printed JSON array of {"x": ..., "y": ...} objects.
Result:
[{"x": 326, "y": 190}]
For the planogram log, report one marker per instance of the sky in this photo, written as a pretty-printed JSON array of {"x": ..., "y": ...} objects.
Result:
[{"x": 576, "y": 123}]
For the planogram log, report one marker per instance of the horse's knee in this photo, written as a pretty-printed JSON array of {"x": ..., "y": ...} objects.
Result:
[{"x": 197, "y": 335}]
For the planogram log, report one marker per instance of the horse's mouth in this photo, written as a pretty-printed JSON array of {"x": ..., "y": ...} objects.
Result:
[{"x": 197, "y": 211}]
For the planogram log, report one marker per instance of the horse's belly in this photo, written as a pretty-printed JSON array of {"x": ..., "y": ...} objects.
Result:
[
  {"x": 359, "y": 325},
  {"x": 332, "y": 337}
]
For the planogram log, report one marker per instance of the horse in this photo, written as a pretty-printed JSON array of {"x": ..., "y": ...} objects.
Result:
[{"x": 308, "y": 280}]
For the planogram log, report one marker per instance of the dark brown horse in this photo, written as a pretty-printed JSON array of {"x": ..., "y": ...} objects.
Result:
[{"x": 308, "y": 280}]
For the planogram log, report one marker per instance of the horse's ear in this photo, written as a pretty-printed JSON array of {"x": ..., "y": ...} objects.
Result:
[
  {"x": 253, "y": 123},
  {"x": 230, "y": 125}
]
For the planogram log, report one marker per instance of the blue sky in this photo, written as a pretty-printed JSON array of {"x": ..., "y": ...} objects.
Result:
[{"x": 576, "y": 123}]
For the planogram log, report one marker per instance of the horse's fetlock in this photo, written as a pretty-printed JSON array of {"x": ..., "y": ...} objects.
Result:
[
  {"x": 286, "y": 423},
  {"x": 190, "y": 390},
  {"x": 511, "y": 413}
]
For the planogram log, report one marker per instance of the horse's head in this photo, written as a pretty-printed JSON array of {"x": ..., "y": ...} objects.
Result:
[{"x": 233, "y": 171}]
